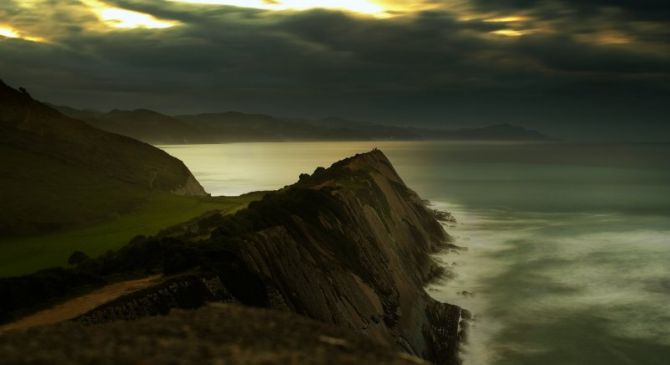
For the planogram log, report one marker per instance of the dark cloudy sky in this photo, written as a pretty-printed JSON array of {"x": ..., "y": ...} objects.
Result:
[{"x": 573, "y": 68}]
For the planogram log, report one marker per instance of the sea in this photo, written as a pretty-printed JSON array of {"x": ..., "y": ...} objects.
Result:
[{"x": 565, "y": 247}]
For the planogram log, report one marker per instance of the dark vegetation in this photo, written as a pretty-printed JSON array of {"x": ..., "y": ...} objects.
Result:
[
  {"x": 77, "y": 258},
  {"x": 140, "y": 257}
]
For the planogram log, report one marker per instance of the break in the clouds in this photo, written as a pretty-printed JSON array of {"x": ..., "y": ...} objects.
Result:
[{"x": 574, "y": 68}]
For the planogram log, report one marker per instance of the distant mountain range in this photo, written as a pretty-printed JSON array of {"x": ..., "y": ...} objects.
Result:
[{"x": 157, "y": 128}]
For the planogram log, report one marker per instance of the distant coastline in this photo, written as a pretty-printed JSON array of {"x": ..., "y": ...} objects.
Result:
[{"x": 156, "y": 128}]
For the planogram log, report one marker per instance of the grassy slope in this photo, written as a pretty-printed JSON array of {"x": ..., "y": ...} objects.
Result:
[
  {"x": 43, "y": 194},
  {"x": 58, "y": 172},
  {"x": 67, "y": 186},
  {"x": 22, "y": 255}
]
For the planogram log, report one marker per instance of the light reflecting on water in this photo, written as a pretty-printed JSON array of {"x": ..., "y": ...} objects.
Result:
[
  {"x": 568, "y": 246},
  {"x": 236, "y": 168}
]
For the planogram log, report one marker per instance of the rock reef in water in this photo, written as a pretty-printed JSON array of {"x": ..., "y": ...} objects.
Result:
[{"x": 349, "y": 246}]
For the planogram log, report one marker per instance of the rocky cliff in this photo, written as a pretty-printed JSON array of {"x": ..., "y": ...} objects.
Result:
[
  {"x": 352, "y": 247},
  {"x": 349, "y": 245}
]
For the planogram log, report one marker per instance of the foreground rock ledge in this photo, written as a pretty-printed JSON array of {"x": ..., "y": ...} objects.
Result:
[
  {"x": 349, "y": 246},
  {"x": 219, "y": 334}
]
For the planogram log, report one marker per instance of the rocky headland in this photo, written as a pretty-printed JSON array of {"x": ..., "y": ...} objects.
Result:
[{"x": 348, "y": 246}]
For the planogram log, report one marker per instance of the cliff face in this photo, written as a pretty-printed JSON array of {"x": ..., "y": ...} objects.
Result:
[
  {"x": 349, "y": 245},
  {"x": 352, "y": 247}
]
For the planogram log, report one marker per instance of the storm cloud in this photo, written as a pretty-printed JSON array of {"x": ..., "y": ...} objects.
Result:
[{"x": 600, "y": 70}]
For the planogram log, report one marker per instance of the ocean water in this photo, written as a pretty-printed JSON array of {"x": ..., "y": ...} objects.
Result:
[{"x": 565, "y": 253}]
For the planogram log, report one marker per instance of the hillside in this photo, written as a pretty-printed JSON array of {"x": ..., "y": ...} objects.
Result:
[
  {"x": 60, "y": 172},
  {"x": 156, "y": 128},
  {"x": 349, "y": 246}
]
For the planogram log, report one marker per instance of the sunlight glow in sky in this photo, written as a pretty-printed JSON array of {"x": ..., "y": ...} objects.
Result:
[
  {"x": 126, "y": 19},
  {"x": 29, "y": 3},
  {"x": 7, "y": 31},
  {"x": 510, "y": 32},
  {"x": 356, "y": 6},
  {"x": 507, "y": 19},
  {"x": 613, "y": 37}
]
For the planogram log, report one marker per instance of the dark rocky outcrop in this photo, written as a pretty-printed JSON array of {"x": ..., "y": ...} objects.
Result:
[
  {"x": 183, "y": 292},
  {"x": 349, "y": 245},
  {"x": 218, "y": 334}
]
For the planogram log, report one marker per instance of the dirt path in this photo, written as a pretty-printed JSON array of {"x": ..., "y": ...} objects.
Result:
[{"x": 80, "y": 305}]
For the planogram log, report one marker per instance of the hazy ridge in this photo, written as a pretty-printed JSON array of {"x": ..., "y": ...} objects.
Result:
[{"x": 154, "y": 127}]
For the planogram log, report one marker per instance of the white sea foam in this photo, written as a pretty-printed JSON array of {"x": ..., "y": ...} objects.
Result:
[{"x": 570, "y": 265}]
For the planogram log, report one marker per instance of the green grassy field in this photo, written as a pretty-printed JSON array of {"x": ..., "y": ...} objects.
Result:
[{"x": 23, "y": 255}]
